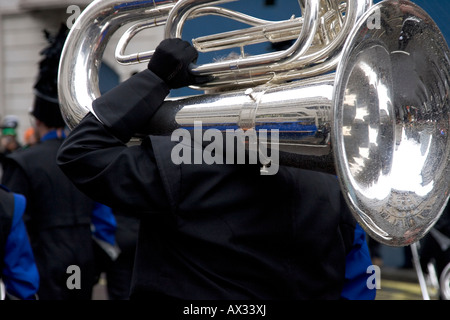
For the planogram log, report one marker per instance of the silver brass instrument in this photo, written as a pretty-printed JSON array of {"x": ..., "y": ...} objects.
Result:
[{"x": 362, "y": 92}]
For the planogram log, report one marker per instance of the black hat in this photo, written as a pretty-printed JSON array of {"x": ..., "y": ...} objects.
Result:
[{"x": 46, "y": 103}]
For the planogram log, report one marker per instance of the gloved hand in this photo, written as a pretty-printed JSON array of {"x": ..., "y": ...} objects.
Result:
[{"x": 171, "y": 62}]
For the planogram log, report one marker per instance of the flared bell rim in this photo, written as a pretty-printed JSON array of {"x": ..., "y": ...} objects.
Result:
[{"x": 394, "y": 211}]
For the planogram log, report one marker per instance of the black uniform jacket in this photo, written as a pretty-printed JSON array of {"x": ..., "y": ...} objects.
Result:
[
  {"x": 209, "y": 231},
  {"x": 57, "y": 218}
]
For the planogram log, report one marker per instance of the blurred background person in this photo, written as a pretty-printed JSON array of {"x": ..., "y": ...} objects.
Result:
[
  {"x": 9, "y": 141},
  {"x": 58, "y": 215}
]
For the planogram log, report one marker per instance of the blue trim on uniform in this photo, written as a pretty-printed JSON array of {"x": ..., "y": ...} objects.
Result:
[
  {"x": 356, "y": 276},
  {"x": 53, "y": 134},
  {"x": 104, "y": 223},
  {"x": 20, "y": 274}
]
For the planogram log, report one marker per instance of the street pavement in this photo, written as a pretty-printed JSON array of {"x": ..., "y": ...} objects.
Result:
[{"x": 401, "y": 284}]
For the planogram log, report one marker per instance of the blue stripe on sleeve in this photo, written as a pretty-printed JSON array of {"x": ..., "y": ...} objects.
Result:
[{"x": 356, "y": 276}]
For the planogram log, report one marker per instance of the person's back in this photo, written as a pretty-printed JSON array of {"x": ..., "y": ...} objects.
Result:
[
  {"x": 47, "y": 189},
  {"x": 57, "y": 218},
  {"x": 230, "y": 233}
]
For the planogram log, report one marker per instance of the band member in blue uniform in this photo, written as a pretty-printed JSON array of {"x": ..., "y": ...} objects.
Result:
[{"x": 19, "y": 273}]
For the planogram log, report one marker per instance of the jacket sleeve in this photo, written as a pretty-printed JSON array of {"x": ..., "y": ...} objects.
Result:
[
  {"x": 20, "y": 273},
  {"x": 98, "y": 161},
  {"x": 356, "y": 270},
  {"x": 127, "y": 108}
]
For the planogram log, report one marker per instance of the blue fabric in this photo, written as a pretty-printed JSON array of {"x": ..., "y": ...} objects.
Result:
[
  {"x": 104, "y": 223},
  {"x": 53, "y": 134},
  {"x": 20, "y": 274},
  {"x": 356, "y": 276}
]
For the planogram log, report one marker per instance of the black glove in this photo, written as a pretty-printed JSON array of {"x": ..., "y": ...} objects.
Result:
[{"x": 171, "y": 62}]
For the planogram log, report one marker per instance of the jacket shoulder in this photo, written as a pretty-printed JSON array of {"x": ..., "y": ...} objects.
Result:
[{"x": 32, "y": 154}]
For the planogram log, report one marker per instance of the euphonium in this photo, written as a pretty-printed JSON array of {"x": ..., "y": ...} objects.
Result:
[{"x": 362, "y": 92}]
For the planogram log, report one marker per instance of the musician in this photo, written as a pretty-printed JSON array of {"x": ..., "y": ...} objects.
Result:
[
  {"x": 58, "y": 215},
  {"x": 219, "y": 231}
]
